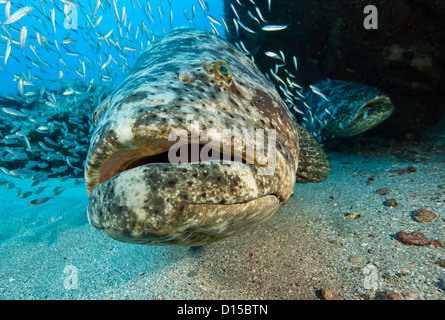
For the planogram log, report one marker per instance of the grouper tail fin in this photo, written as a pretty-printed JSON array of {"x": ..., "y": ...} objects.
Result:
[{"x": 313, "y": 162}]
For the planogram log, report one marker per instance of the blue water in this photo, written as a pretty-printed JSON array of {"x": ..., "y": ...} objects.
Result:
[
  {"x": 43, "y": 246},
  {"x": 86, "y": 41}
]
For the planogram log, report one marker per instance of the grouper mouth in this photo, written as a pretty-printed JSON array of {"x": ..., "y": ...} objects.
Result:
[
  {"x": 137, "y": 194},
  {"x": 160, "y": 151},
  {"x": 368, "y": 116}
]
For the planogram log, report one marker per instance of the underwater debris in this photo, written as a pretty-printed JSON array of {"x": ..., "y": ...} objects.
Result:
[
  {"x": 356, "y": 258},
  {"x": 391, "y": 295},
  {"x": 371, "y": 179},
  {"x": 436, "y": 244},
  {"x": 409, "y": 169},
  {"x": 383, "y": 191},
  {"x": 423, "y": 215},
  {"x": 352, "y": 215},
  {"x": 391, "y": 203},
  {"x": 337, "y": 241},
  {"x": 329, "y": 293},
  {"x": 413, "y": 238},
  {"x": 192, "y": 273}
]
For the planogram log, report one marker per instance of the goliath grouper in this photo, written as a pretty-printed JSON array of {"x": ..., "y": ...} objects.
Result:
[
  {"x": 137, "y": 195},
  {"x": 340, "y": 109}
]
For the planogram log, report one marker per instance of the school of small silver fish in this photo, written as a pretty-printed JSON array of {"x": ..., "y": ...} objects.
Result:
[{"x": 67, "y": 64}]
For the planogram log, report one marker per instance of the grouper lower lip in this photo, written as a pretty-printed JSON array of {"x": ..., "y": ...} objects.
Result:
[{"x": 206, "y": 202}]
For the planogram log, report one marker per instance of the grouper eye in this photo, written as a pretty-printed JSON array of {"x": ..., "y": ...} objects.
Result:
[
  {"x": 223, "y": 70},
  {"x": 219, "y": 69}
]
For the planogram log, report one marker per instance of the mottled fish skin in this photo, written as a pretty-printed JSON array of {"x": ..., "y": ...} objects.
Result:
[
  {"x": 352, "y": 108},
  {"x": 160, "y": 203}
]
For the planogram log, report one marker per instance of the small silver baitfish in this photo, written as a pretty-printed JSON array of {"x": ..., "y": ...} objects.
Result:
[
  {"x": 137, "y": 195},
  {"x": 36, "y": 202},
  {"x": 18, "y": 15},
  {"x": 26, "y": 194}
]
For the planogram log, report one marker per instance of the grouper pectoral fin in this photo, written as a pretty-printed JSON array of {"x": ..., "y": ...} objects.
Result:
[{"x": 313, "y": 162}]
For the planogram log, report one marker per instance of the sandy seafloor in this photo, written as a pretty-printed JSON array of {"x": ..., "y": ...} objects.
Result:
[{"x": 305, "y": 247}]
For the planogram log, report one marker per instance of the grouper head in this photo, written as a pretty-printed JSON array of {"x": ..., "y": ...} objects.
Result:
[
  {"x": 185, "y": 85},
  {"x": 350, "y": 108}
]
